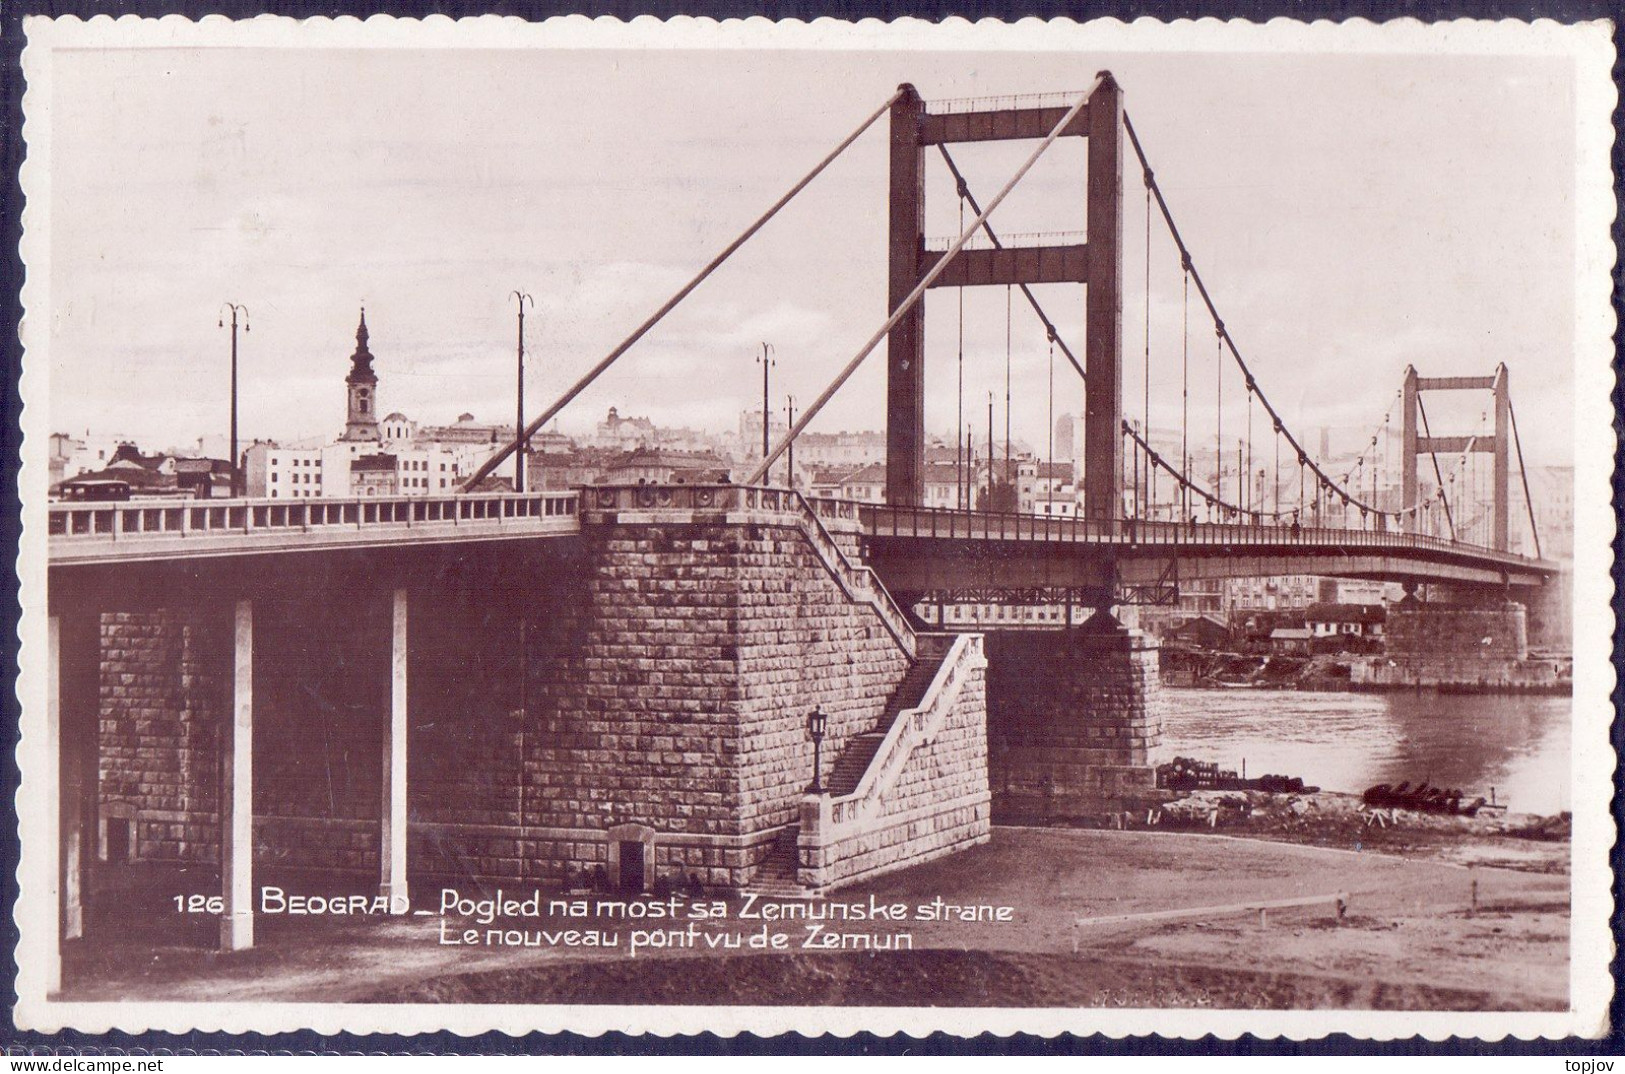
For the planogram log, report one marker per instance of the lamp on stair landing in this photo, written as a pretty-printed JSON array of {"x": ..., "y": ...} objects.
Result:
[{"x": 817, "y": 724}]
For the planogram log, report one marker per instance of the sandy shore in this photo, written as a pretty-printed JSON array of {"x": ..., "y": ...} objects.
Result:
[{"x": 1494, "y": 838}]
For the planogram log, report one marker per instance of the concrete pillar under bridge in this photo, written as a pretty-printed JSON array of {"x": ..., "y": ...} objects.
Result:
[{"x": 1074, "y": 721}]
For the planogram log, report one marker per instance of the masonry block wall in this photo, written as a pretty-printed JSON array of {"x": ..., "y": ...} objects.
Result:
[
  {"x": 1433, "y": 644},
  {"x": 164, "y": 689},
  {"x": 320, "y": 691},
  {"x": 1074, "y": 720},
  {"x": 679, "y": 701},
  {"x": 803, "y": 644},
  {"x": 321, "y": 697},
  {"x": 939, "y": 805},
  {"x": 471, "y": 724}
]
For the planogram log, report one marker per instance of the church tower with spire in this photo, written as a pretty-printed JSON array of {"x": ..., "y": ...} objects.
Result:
[{"x": 361, "y": 419}]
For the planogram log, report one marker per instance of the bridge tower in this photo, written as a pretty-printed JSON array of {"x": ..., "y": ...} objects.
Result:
[
  {"x": 1098, "y": 265},
  {"x": 1496, "y": 445}
]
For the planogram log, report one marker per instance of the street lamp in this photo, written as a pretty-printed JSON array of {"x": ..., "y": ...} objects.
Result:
[
  {"x": 519, "y": 411},
  {"x": 817, "y": 724},
  {"x": 790, "y": 417},
  {"x": 235, "y": 310},
  {"x": 767, "y": 363}
]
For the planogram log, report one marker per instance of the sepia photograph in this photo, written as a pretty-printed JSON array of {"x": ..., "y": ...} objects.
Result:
[{"x": 683, "y": 526}]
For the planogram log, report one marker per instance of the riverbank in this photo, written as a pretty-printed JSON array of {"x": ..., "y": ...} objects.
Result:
[
  {"x": 1524, "y": 842},
  {"x": 1325, "y": 684}
]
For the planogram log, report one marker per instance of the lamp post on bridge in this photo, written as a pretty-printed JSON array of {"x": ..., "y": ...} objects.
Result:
[
  {"x": 790, "y": 423},
  {"x": 235, "y": 309},
  {"x": 817, "y": 724},
  {"x": 767, "y": 364},
  {"x": 523, "y": 449},
  {"x": 988, "y": 506}
]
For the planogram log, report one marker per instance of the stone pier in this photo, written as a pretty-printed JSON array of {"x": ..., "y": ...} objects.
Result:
[
  {"x": 1074, "y": 718},
  {"x": 1432, "y": 643}
]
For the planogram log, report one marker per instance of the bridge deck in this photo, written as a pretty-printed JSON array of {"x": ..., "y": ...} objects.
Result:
[
  {"x": 180, "y": 529},
  {"x": 183, "y": 529},
  {"x": 1204, "y": 549}
]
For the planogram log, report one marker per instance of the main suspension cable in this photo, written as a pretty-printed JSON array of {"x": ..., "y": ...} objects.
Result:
[
  {"x": 1219, "y": 326},
  {"x": 1211, "y": 499}
]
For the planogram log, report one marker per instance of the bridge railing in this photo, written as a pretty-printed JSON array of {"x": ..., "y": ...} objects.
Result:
[
  {"x": 886, "y": 520},
  {"x": 181, "y": 518}
]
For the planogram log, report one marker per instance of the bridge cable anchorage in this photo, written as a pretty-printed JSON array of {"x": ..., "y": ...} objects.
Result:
[
  {"x": 1224, "y": 334},
  {"x": 1524, "y": 476},
  {"x": 496, "y": 460},
  {"x": 920, "y": 288},
  {"x": 1213, "y": 500},
  {"x": 987, "y": 228}
]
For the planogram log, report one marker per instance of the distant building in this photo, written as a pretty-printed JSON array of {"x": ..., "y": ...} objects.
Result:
[
  {"x": 833, "y": 450},
  {"x": 659, "y": 467},
  {"x": 129, "y": 474},
  {"x": 1202, "y": 631},
  {"x": 1197, "y": 597},
  {"x": 1345, "y": 621},
  {"x": 1551, "y": 491},
  {"x": 623, "y": 433},
  {"x": 1293, "y": 592},
  {"x": 1045, "y": 488},
  {"x": 1290, "y": 640},
  {"x": 553, "y": 470},
  {"x": 202, "y": 478},
  {"x": 375, "y": 475},
  {"x": 866, "y": 484}
]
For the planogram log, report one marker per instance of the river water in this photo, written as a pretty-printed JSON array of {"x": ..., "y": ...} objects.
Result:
[{"x": 1518, "y": 745}]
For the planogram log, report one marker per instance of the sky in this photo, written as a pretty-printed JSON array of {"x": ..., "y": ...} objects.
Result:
[{"x": 1351, "y": 214}]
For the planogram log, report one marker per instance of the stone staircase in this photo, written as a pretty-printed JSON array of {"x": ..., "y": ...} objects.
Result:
[
  {"x": 860, "y": 749},
  {"x": 776, "y": 878}
]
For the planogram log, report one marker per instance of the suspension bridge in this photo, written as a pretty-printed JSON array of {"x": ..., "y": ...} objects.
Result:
[
  {"x": 1155, "y": 503},
  {"x": 638, "y": 680}
]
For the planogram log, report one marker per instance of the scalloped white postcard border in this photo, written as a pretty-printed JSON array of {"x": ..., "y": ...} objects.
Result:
[{"x": 1589, "y": 46}]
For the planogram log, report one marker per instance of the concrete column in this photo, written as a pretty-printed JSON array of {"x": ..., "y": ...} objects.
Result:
[
  {"x": 237, "y": 791},
  {"x": 48, "y": 958},
  {"x": 79, "y": 671},
  {"x": 392, "y": 829}
]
